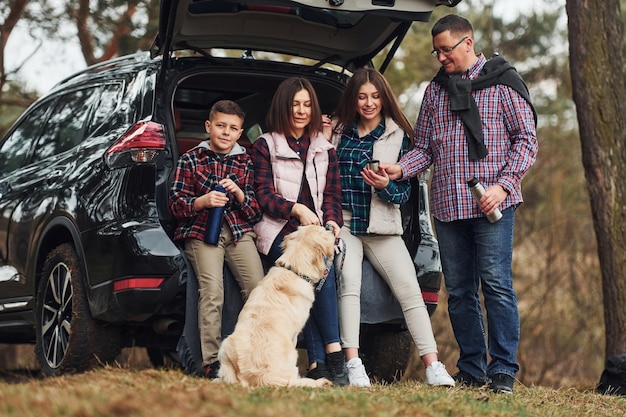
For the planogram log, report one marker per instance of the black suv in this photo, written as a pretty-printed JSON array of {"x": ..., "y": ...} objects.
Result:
[{"x": 87, "y": 264}]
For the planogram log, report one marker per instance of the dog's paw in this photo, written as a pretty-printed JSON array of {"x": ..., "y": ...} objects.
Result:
[
  {"x": 308, "y": 382},
  {"x": 323, "y": 382}
]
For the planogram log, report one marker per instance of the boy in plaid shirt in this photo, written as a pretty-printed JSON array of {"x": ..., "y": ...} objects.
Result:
[{"x": 218, "y": 161}]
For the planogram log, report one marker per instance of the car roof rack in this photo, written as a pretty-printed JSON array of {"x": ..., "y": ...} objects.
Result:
[{"x": 132, "y": 58}]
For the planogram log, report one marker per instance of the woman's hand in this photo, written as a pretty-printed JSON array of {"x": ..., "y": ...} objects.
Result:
[
  {"x": 335, "y": 226},
  {"x": 304, "y": 215}
]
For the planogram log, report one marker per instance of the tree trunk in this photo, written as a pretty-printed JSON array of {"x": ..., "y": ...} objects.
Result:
[
  {"x": 5, "y": 31},
  {"x": 597, "y": 69}
]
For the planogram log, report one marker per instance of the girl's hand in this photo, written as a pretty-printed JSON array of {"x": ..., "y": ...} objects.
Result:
[
  {"x": 327, "y": 127},
  {"x": 378, "y": 180}
]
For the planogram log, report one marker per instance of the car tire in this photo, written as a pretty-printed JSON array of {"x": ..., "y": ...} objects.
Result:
[
  {"x": 385, "y": 352},
  {"x": 68, "y": 338},
  {"x": 163, "y": 358}
]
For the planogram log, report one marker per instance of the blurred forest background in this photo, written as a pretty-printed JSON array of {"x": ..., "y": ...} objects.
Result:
[{"x": 556, "y": 268}]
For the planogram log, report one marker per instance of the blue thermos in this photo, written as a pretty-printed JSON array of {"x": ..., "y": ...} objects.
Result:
[{"x": 214, "y": 223}]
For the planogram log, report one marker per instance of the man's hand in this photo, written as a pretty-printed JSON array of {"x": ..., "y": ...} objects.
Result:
[
  {"x": 393, "y": 171},
  {"x": 491, "y": 200}
]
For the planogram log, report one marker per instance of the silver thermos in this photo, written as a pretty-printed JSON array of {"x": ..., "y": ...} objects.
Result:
[{"x": 478, "y": 190}]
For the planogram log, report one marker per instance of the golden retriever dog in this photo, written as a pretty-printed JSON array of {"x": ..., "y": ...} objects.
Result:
[{"x": 261, "y": 351}]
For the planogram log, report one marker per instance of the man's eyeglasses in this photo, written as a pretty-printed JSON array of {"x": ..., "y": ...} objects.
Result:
[{"x": 445, "y": 50}]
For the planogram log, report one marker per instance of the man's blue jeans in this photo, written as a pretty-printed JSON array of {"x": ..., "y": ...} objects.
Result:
[
  {"x": 322, "y": 327},
  {"x": 476, "y": 254}
]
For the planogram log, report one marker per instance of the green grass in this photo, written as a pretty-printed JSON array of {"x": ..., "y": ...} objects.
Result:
[{"x": 158, "y": 393}]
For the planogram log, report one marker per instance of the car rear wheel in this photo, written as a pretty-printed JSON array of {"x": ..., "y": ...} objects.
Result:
[
  {"x": 68, "y": 338},
  {"x": 385, "y": 351},
  {"x": 163, "y": 358}
]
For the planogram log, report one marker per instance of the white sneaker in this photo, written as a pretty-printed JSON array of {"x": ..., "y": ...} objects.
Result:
[
  {"x": 356, "y": 373},
  {"x": 436, "y": 374}
]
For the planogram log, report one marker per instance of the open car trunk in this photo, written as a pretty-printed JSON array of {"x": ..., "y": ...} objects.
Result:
[
  {"x": 247, "y": 84},
  {"x": 345, "y": 33}
]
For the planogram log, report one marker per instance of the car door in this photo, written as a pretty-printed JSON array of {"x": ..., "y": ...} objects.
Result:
[
  {"x": 33, "y": 190},
  {"x": 15, "y": 174}
]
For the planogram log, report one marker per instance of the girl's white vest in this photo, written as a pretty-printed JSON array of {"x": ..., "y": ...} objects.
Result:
[{"x": 385, "y": 218}]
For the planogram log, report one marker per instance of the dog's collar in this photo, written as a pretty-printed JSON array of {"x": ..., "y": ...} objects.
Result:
[{"x": 328, "y": 262}]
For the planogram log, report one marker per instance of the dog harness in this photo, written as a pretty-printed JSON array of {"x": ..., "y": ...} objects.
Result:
[{"x": 328, "y": 262}]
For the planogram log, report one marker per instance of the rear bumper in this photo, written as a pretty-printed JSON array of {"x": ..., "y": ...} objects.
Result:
[
  {"x": 143, "y": 259},
  {"x": 137, "y": 304}
]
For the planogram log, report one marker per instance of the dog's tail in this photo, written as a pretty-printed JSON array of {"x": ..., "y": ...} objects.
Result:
[
  {"x": 269, "y": 380},
  {"x": 272, "y": 380}
]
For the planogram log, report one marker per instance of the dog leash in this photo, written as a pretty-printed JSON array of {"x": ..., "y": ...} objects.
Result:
[{"x": 340, "y": 257}]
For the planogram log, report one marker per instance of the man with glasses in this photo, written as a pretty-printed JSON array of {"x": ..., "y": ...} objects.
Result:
[{"x": 476, "y": 120}]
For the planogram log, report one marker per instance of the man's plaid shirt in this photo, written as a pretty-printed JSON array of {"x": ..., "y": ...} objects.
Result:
[{"x": 509, "y": 134}]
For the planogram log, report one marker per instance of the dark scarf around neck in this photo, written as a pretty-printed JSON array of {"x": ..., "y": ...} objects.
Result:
[{"x": 496, "y": 71}]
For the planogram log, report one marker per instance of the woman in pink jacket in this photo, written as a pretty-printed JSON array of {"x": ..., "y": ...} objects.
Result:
[{"x": 297, "y": 183}]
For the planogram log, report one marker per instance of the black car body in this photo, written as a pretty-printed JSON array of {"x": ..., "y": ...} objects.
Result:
[{"x": 88, "y": 264}]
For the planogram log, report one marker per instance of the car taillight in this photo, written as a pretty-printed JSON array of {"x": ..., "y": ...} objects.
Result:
[
  {"x": 141, "y": 143},
  {"x": 430, "y": 296},
  {"x": 137, "y": 283}
]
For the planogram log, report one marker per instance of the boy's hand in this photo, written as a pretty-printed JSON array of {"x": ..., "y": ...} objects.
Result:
[
  {"x": 232, "y": 187},
  {"x": 215, "y": 199},
  {"x": 210, "y": 200}
]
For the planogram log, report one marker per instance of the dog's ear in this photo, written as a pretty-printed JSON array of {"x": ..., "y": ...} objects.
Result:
[
  {"x": 325, "y": 240},
  {"x": 291, "y": 239},
  {"x": 305, "y": 250},
  {"x": 290, "y": 247},
  {"x": 324, "y": 245}
]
